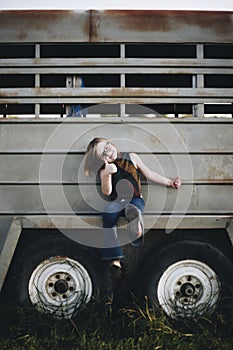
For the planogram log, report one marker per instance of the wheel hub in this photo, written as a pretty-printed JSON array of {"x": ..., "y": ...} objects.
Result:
[
  {"x": 60, "y": 285},
  {"x": 188, "y": 289}
]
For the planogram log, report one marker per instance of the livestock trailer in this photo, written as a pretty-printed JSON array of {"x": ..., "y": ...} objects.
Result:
[{"x": 158, "y": 83}]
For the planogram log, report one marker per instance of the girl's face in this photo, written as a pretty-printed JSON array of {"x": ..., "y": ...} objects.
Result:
[{"x": 106, "y": 151}]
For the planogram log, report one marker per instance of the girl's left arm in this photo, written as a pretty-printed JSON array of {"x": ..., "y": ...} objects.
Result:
[{"x": 152, "y": 175}]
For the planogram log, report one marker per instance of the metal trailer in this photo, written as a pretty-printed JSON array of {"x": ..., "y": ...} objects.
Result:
[{"x": 156, "y": 82}]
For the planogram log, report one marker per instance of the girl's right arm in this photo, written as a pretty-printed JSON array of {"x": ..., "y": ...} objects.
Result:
[{"x": 106, "y": 178}]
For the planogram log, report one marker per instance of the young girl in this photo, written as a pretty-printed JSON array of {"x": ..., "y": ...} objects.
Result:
[{"x": 120, "y": 181}]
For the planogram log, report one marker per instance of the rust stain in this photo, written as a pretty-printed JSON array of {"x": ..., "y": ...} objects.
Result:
[
  {"x": 38, "y": 18},
  {"x": 216, "y": 173},
  {"x": 26, "y": 21},
  {"x": 93, "y": 24},
  {"x": 19, "y": 15},
  {"x": 141, "y": 20},
  {"x": 8, "y": 94},
  {"x": 164, "y": 21}
]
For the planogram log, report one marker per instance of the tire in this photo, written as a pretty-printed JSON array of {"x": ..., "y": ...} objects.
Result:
[
  {"x": 187, "y": 279},
  {"x": 57, "y": 276}
]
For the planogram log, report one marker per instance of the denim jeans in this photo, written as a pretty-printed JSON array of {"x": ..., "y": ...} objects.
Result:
[{"x": 111, "y": 247}]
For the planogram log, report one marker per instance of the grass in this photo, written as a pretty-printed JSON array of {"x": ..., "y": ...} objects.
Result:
[{"x": 97, "y": 328}]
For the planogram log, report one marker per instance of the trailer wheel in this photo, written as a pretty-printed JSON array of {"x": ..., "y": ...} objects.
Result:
[
  {"x": 187, "y": 279},
  {"x": 57, "y": 276}
]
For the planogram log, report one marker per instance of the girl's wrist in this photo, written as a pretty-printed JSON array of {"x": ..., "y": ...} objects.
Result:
[
  {"x": 106, "y": 174},
  {"x": 169, "y": 182}
]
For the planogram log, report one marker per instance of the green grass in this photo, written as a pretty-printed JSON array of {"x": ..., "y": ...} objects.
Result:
[{"x": 97, "y": 328}]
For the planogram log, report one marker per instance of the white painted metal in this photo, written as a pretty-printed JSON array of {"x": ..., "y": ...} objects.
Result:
[
  {"x": 59, "y": 286},
  {"x": 188, "y": 288}
]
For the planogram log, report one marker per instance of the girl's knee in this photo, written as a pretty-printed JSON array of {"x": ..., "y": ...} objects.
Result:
[{"x": 111, "y": 214}]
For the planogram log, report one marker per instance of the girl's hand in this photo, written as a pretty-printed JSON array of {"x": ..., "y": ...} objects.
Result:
[
  {"x": 110, "y": 168},
  {"x": 175, "y": 183}
]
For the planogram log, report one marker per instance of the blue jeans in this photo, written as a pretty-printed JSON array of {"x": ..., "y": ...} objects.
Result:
[{"x": 111, "y": 247}]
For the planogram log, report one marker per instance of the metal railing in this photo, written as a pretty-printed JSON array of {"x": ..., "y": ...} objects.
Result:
[{"x": 180, "y": 78}]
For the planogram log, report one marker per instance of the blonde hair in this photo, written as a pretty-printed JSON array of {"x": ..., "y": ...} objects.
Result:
[{"x": 91, "y": 163}]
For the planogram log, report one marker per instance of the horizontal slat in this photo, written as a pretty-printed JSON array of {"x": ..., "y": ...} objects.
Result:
[
  {"x": 156, "y": 136},
  {"x": 94, "y": 221},
  {"x": 116, "y": 92},
  {"x": 114, "y": 100},
  {"x": 115, "y": 95},
  {"x": 111, "y": 62},
  {"x": 68, "y": 168},
  {"x": 116, "y": 70},
  {"x": 85, "y": 198},
  {"x": 160, "y": 222}
]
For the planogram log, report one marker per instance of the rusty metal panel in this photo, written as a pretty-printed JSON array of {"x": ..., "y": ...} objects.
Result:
[
  {"x": 25, "y": 168},
  {"x": 44, "y": 26},
  {"x": 116, "y": 26},
  {"x": 70, "y": 199},
  {"x": 199, "y": 148},
  {"x": 63, "y": 189},
  {"x": 188, "y": 135},
  {"x": 38, "y": 133},
  {"x": 162, "y": 26}
]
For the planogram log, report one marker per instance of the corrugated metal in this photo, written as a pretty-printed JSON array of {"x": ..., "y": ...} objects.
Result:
[{"x": 116, "y": 26}]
